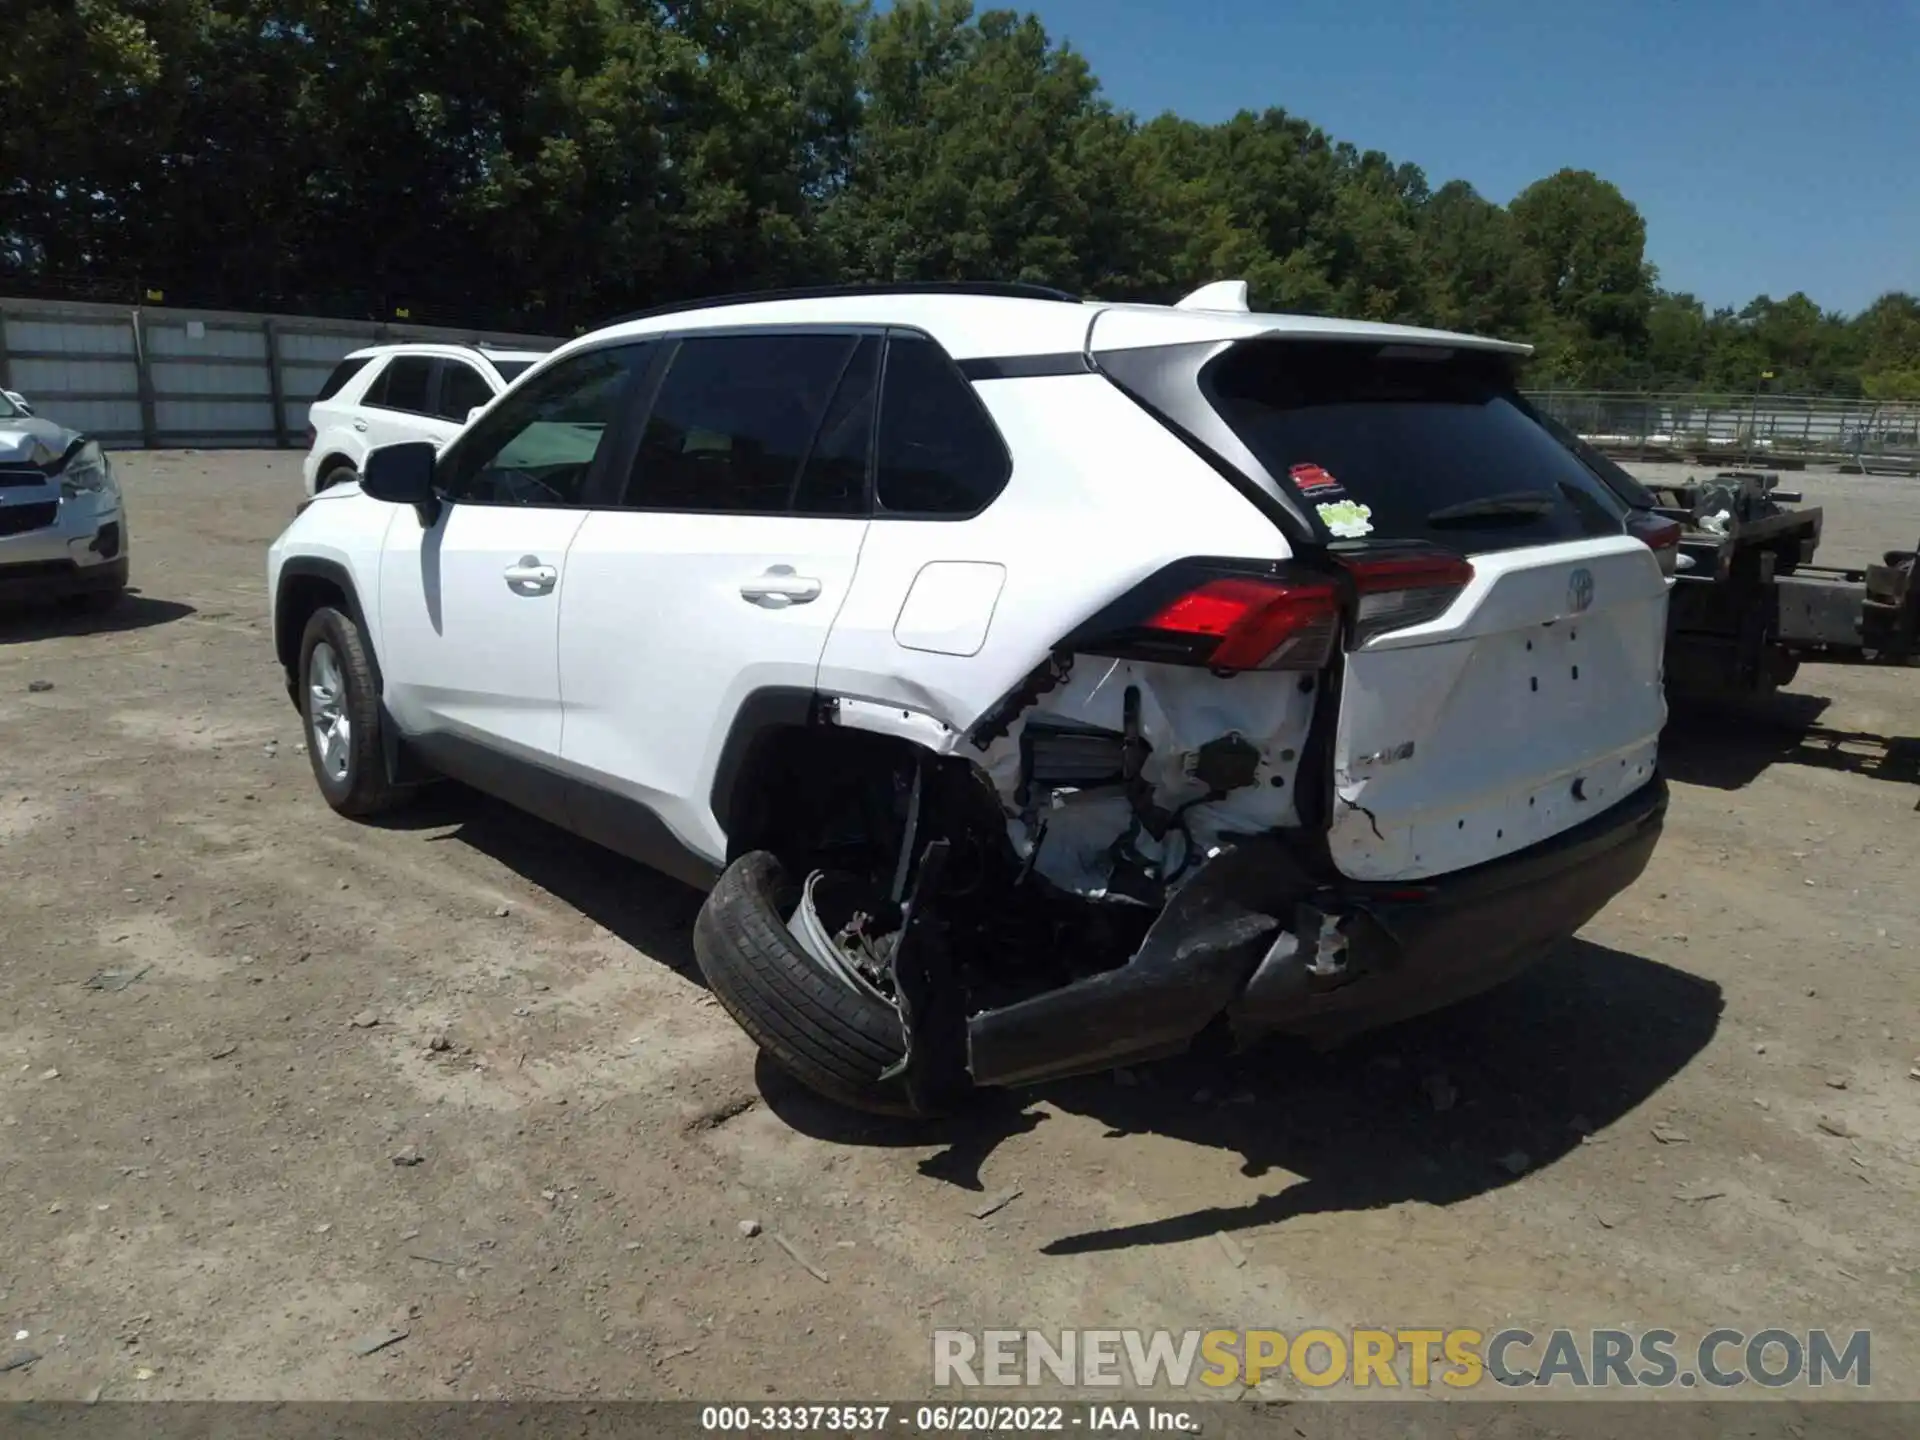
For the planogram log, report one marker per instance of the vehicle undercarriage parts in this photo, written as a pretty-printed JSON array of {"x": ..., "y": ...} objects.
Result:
[
  {"x": 1044, "y": 678},
  {"x": 1134, "y": 770},
  {"x": 1196, "y": 957},
  {"x": 928, "y": 996},
  {"x": 1061, "y": 755},
  {"x": 852, "y": 954},
  {"x": 922, "y": 729},
  {"x": 1229, "y": 762}
]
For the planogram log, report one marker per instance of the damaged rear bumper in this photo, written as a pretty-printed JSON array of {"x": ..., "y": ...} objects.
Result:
[{"x": 1251, "y": 946}]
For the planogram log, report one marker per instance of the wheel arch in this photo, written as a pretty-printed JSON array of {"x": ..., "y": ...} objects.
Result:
[
  {"x": 775, "y": 733},
  {"x": 334, "y": 461},
  {"x": 308, "y": 583}
]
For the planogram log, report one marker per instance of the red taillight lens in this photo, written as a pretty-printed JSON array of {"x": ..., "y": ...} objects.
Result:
[
  {"x": 1658, "y": 534},
  {"x": 1397, "y": 591},
  {"x": 1258, "y": 623}
]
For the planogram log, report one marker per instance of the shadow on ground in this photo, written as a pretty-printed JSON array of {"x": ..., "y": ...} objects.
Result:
[
  {"x": 1437, "y": 1110},
  {"x": 23, "y": 624},
  {"x": 642, "y": 907},
  {"x": 1728, "y": 747}
]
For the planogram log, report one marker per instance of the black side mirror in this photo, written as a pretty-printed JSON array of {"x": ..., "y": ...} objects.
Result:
[{"x": 403, "y": 475}]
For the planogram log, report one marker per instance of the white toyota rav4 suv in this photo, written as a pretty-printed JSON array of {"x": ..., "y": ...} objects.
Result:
[
  {"x": 1036, "y": 685},
  {"x": 389, "y": 393}
]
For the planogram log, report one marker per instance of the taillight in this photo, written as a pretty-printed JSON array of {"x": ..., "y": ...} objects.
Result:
[
  {"x": 1223, "y": 615},
  {"x": 1396, "y": 591},
  {"x": 1257, "y": 624},
  {"x": 1658, "y": 534}
]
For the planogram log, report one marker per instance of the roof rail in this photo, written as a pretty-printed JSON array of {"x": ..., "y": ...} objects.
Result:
[{"x": 1012, "y": 290}]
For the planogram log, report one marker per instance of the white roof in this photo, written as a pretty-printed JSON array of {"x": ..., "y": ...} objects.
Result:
[
  {"x": 1129, "y": 327},
  {"x": 437, "y": 347},
  {"x": 971, "y": 326}
]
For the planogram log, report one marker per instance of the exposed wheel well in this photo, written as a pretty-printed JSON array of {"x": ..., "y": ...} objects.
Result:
[
  {"x": 328, "y": 466},
  {"x": 799, "y": 780}
]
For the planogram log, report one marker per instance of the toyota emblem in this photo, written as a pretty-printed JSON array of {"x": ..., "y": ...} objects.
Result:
[{"x": 1580, "y": 590}]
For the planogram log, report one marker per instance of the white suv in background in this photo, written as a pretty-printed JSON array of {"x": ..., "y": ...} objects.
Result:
[
  {"x": 389, "y": 393},
  {"x": 1037, "y": 686}
]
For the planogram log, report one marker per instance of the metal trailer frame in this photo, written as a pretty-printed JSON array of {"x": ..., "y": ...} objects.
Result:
[{"x": 1752, "y": 605}]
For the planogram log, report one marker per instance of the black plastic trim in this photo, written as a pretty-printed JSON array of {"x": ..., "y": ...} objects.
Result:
[
  {"x": 599, "y": 816},
  {"x": 761, "y": 716},
  {"x": 1164, "y": 380},
  {"x": 310, "y": 567},
  {"x": 50, "y": 579},
  {"x": 1025, "y": 367}
]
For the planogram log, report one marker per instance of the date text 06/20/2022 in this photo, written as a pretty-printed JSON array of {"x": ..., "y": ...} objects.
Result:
[{"x": 948, "y": 1419}]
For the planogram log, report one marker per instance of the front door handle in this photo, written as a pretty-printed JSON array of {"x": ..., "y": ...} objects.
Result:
[
  {"x": 530, "y": 577},
  {"x": 779, "y": 588}
]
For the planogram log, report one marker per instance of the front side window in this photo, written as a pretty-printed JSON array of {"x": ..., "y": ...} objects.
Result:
[
  {"x": 537, "y": 446},
  {"x": 939, "y": 454},
  {"x": 461, "y": 389},
  {"x": 737, "y": 419}
]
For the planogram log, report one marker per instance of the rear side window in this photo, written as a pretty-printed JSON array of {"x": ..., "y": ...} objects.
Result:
[
  {"x": 1404, "y": 444},
  {"x": 342, "y": 373},
  {"x": 461, "y": 388},
  {"x": 403, "y": 385},
  {"x": 938, "y": 452},
  {"x": 736, "y": 420}
]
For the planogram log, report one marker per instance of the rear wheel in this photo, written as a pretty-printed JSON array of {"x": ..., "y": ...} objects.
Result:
[
  {"x": 834, "y": 1036},
  {"x": 340, "y": 702}
]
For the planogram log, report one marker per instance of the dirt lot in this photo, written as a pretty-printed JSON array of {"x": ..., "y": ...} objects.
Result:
[{"x": 220, "y": 1007}]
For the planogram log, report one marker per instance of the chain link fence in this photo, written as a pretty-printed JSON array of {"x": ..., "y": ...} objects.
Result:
[{"x": 1777, "y": 430}]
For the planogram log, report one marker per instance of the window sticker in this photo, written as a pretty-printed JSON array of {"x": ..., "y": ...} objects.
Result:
[
  {"x": 1347, "y": 519},
  {"x": 1312, "y": 480}
]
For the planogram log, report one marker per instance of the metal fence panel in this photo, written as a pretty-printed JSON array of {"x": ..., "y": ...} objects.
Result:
[
  {"x": 1785, "y": 429},
  {"x": 166, "y": 377}
]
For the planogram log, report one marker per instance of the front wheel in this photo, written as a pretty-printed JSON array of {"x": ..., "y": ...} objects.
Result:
[{"x": 340, "y": 702}]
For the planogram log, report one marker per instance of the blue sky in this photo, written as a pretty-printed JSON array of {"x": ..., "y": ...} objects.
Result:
[{"x": 1772, "y": 147}]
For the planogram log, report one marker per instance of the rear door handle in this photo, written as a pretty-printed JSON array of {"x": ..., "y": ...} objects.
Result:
[
  {"x": 530, "y": 577},
  {"x": 361, "y": 426},
  {"x": 779, "y": 588}
]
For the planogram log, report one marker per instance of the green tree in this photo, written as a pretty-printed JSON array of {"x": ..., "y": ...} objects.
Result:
[
  {"x": 1890, "y": 342},
  {"x": 985, "y": 151},
  {"x": 1589, "y": 244},
  {"x": 1479, "y": 275}
]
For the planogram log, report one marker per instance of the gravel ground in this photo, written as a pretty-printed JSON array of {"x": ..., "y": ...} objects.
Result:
[{"x": 276, "y": 1084}]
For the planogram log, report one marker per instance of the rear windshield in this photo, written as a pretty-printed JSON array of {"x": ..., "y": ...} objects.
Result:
[
  {"x": 1406, "y": 443},
  {"x": 511, "y": 370},
  {"x": 1632, "y": 493}
]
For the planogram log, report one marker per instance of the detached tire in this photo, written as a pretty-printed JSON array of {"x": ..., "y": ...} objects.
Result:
[
  {"x": 340, "y": 703},
  {"x": 829, "y": 1036}
]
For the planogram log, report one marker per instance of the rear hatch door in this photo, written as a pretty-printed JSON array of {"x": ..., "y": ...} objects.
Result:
[{"x": 1508, "y": 702}]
